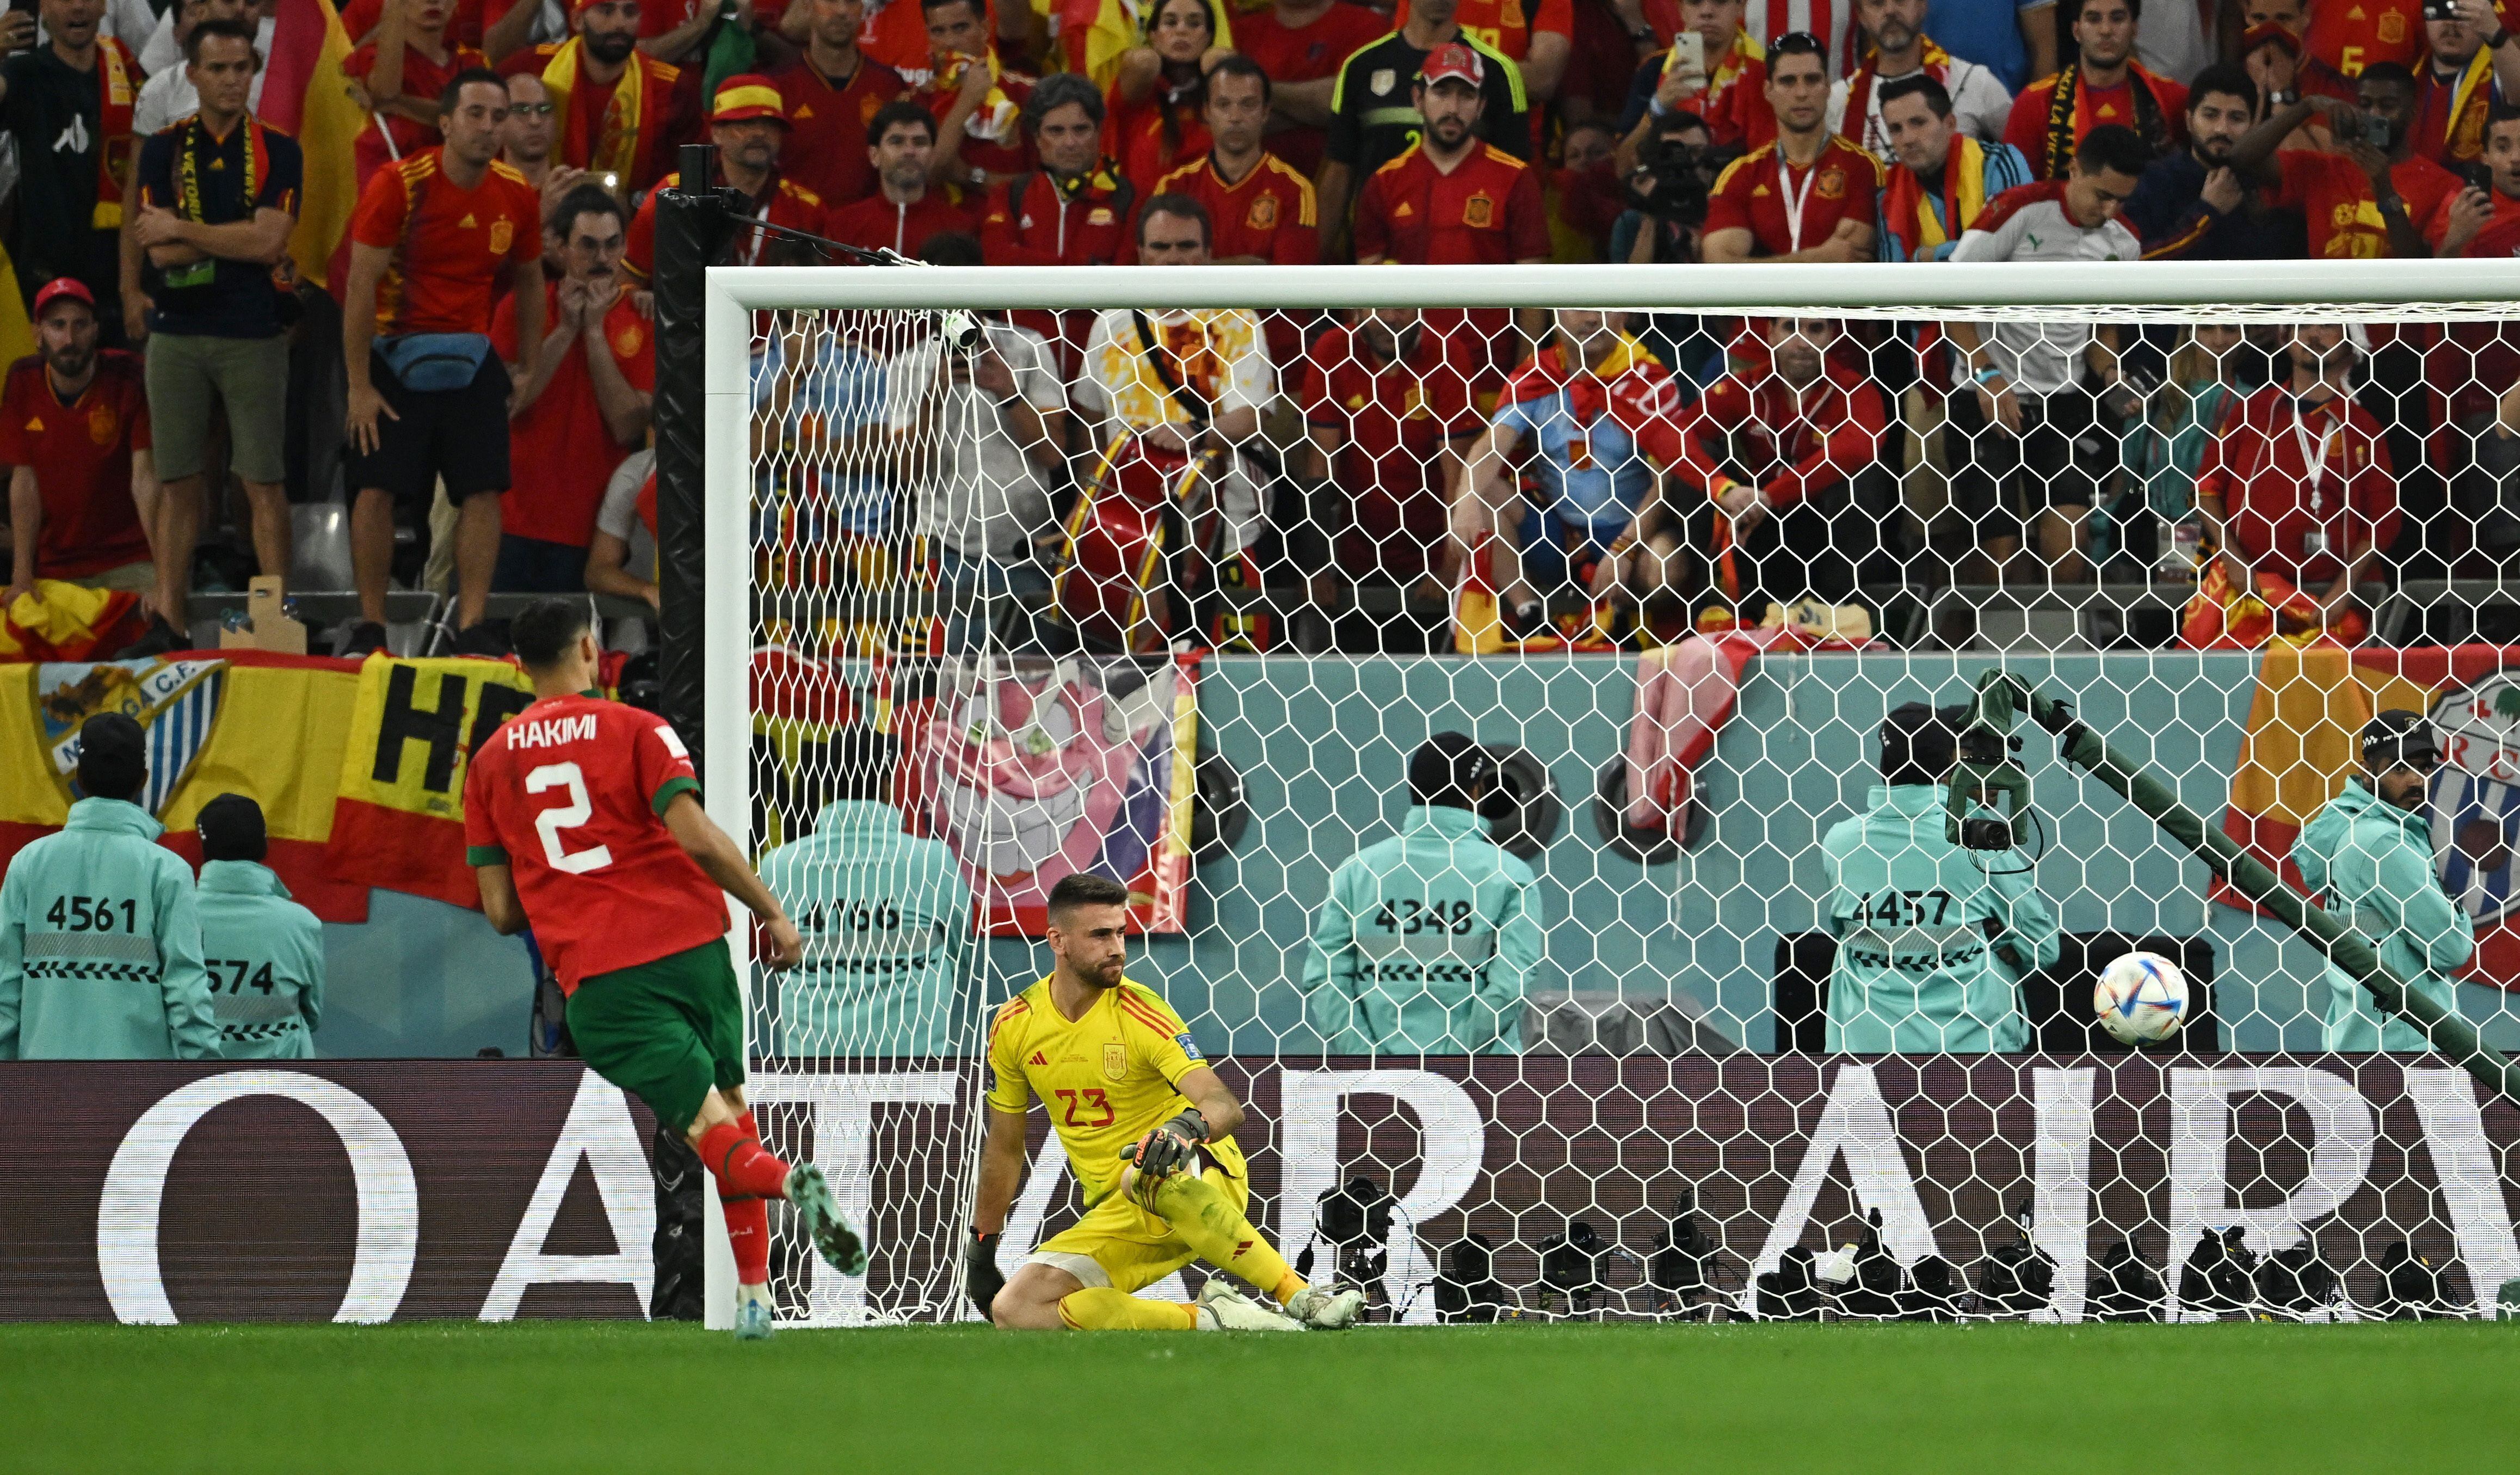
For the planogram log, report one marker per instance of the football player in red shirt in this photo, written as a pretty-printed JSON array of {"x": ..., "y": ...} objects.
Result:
[
  {"x": 833, "y": 93},
  {"x": 1450, "y": 199},
  {"x": 1811, "y": 197},
  {"x": 431, "y": 241},
  {"x": 582, "y": 820}
]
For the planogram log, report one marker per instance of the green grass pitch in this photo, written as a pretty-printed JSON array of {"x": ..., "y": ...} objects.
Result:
[{"x": 550, "y": 1397}]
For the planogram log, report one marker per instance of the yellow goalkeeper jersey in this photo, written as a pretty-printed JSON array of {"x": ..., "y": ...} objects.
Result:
[{"x": 1106, "y": 1080}]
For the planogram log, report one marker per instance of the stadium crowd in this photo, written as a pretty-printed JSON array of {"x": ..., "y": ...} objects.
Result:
[{"x": 1684, "y": 470}]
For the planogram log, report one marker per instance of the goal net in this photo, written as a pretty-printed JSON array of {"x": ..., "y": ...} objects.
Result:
[{"x": 1484, "y": 702}]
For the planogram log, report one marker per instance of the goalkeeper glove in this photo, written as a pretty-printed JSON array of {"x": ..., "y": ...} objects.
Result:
[
  {"x": 980, "y": 1275},
  {"x": 1168, "y": 1148}
]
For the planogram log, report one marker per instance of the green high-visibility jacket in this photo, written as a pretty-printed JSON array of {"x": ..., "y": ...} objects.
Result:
[
  {"x": 886, "y": 919},
  {"x": 100, "y": 946},
  {"x": 1425, "y": 944},
  {"x": 265, "y": 958},
  {"x": 1918, "y": 921},
  {"x": 2372, "y": 864}
]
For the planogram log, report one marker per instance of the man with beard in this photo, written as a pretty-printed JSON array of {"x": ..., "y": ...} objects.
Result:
[
  {"x": 217, "y": 201},
  {"x": 1769, "y": 453},
  {"x": 2296, "y": 493},
  {"x": 832, "y": 94},
  {"x": 582, "y": 409},
  {"x": 1454, "y": 199},
  {"x": 1942, "y": 179},
  {"x": 1373, "y": 121},
  {"x": 66, "y": 106},
  {"x": 2360, "y": 200},
  {"x": 2106, "y": 88},
  {"x": 2193, "y": 203},
  {"x": 1137, "y": 1105},
  {"x": 2474, "y": 68},
  {"x": 1979, "y": 104},
  {"x": 750, "y": 131},
  {"x": 621, "y": 112},
  {"x": 2368, "y": 857},
  {"x": 74, "y": 427},
  {"x": 905, "y": 210},
  {"x": 1811, "y": 197}
]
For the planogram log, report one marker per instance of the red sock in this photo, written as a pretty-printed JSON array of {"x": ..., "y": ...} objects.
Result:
[
  {"x": 748, "y": 1228},
  {"x": 742, "y": 1168}
]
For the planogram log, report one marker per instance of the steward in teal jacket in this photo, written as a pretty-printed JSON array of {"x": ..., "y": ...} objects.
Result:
[
  {"x": 100, "y": 945},
  {"x": 1427, "y": 939}
]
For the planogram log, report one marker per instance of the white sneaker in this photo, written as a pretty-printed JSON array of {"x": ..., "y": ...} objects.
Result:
[
  {"x": 1326, "y": 1310},
  {"x": 753, "y": 1318},
  {"x": 1221, "y": 1307}
]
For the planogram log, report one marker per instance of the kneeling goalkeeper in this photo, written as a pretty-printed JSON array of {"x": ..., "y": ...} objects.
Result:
[{"x": 1135, "y": 1106}]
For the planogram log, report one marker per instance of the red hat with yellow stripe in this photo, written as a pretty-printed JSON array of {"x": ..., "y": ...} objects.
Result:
[{"x": 746, "y": 96}]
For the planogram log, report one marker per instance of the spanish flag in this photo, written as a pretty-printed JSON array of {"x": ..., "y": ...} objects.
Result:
[
  {"x": 305, "y": 94},
  {"x": 2303, "y": 743}
]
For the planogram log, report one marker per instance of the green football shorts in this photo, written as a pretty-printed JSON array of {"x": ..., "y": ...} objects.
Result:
[{"x": 666, "y": 1031}]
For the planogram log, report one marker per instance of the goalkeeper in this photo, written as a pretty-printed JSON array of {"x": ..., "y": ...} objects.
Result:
[
  {"x": 1920, "y": 920},
  {"x": 1135, "y": 1106},
  {"x": 2368, "y": 857}
]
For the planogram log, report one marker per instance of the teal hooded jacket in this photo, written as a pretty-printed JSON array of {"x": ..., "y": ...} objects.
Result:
[
  {"x": 1425, "y": 944},
  {"x": 100, "y": 946},
  {"x": 265, "y": 956},
  {"x": 886, "y": 919},
  {"x": 1918, "y": 921},
  {"x": 2371, "y": 862}
]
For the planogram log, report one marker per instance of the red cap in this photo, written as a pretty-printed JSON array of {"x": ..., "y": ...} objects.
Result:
[
  {"x": 2268, "y": 34},
  {"x": 61, "y": 287},
  {"x": 1450, "y": 61},
  {"x": 747, "y": 96}
]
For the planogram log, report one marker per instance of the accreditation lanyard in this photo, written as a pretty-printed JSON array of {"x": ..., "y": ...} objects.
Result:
[
  {"x": 2314, "y": 461},
  {"x": 1793, "y": 199}
]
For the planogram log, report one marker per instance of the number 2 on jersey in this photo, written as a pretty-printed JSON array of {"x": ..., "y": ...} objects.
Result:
[{"x": 568, "y": 816}]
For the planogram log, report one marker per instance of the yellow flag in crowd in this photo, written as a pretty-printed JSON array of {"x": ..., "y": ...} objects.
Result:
[{"x": 305, "y": 94}]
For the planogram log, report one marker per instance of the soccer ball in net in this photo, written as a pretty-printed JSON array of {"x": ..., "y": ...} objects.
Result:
[{"x": 2141, "y": 998}]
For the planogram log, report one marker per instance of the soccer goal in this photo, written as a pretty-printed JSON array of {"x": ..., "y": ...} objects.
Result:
[{"x": 1730, "y": 961}]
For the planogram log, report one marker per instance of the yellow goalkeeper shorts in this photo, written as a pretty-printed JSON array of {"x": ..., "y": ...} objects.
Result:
[{"x": 1119, "y": 1245}]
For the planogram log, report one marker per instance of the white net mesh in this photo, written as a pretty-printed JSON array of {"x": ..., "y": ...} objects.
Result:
[{"x": 1676, "y": 989}]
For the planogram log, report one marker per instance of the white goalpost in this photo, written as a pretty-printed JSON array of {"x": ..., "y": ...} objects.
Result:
[{"x": 1182, "y": 601}]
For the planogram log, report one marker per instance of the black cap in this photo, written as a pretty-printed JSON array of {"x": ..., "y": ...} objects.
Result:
[
  {"x": 2399, "y": 737},
  {"x": 230, "y": 829},
  {"x": 1447, "y": 767},
  {"x": 113, "y": 757},
  {"x": 1918, "y": 744}
]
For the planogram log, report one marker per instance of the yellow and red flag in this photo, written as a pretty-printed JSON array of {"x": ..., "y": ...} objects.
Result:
[{"x": 306, "y": 93}]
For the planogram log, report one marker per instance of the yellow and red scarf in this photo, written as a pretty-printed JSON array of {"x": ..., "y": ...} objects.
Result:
[
  {"x": 1909, "y": 211},
  {"x": 114, "y": 96},
  {"x": 2069, "y": 118},
  {"x": 619, "y": 147},
  {"x": 1859, "y": 88}
]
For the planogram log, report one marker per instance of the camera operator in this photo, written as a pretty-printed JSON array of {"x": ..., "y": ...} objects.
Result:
[
  {"x": 1919, "y": 921},
  {"x": 1667, "y": 191}
]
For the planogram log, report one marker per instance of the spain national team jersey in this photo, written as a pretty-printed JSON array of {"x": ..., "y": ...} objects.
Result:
[
  {"x": 2352, "y": 34},
  {"x": 570, "y": 794},
  {"x": 81, "y": 456},
  {"x": 1106, "y": 1080},
  {"x": 448, "y": 243},
  {"x": 1269, "y": 212},
  {"x": 1787, "y": 209},
  {"x": 827, "y": 144},
  {"x": 1486, "y": 212}
]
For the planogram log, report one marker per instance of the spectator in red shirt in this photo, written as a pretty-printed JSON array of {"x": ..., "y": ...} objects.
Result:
[
  {"x": 399, "y": 76},
  {"x": 2474, "y": 67},
  {"x": 583, "y": 407},
  {"x": 1811, "y": 197},
  {"x": 1153, "y": 113},
  {"x": 1452, "y": 199},
  {"x": 1387, "y": 423},
  {"x": 2350, "y": 198},
  {"x": 1763, "y": 464},
  {"x": 2107, "y": 86},
  {"x": 749, "y": 126},
  {"x": 1729, "y": 92},
  {"x": 979, "y": 105},
  {"x": 620, "y": 112},
  {"x": 1536, "y": 35},
  {"x": 2295, "y": 490},
  {"x": 430, "y": 241},
  {"x": 832, "y": 94},
  {"x": 1261, "y": 206},
  {"x": 75, "y": 430},
  {"x": 1299, "y": 45},
  {"x": 1073, "y": 210},
  {"x": 2344, "y": 39},
  {"x": 901, "y": 143}
]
